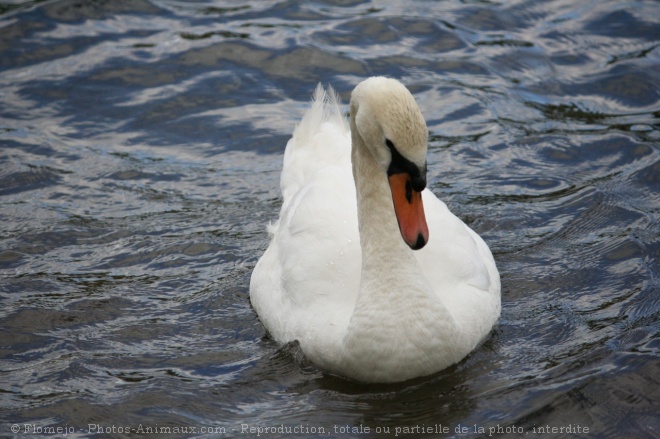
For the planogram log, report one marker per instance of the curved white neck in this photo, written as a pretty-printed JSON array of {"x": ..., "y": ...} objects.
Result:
[
  {"x": 395, "y": 304},
  {"x": 383, "y": 249},
  {"x": 387, "y": 261}
]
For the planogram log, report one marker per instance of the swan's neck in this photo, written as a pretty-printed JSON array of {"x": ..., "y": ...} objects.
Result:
[
  {"x": 384, "y": 253},
  {"x": 395, "y": 306},
  {"x": 390, "y": 273}
]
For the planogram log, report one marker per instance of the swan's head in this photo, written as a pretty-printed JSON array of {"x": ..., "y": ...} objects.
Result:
[{"x": 388, "y": 123}]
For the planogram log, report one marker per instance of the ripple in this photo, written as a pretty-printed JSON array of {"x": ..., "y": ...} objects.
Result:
[{"x": 141, "y": 149}]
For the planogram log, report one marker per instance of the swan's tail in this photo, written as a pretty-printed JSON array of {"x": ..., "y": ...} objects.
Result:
[
  {"x": 321, "y": 139},
  {"x": 326, "y": 107}
]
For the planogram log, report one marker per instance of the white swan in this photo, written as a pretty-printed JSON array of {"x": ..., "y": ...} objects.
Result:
[{"x": 340, "y": 275}]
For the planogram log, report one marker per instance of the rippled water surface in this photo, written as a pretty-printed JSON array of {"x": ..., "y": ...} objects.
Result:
[{"x": 140, "y": 150}]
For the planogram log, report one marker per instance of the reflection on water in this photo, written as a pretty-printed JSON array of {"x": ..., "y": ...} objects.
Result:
[{"x": 140, "y": 150}]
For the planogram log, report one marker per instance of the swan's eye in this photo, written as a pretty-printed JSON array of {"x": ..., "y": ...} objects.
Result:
[{"x": 401, "y": 165}]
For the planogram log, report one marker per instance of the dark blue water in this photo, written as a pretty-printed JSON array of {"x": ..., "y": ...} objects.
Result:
[{"x": 140, "y": 150}]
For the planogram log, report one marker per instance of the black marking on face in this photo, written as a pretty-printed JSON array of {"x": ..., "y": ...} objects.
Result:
[{"x": 401, "y": 165}]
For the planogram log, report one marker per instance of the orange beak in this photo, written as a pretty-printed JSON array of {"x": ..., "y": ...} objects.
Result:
[{"x": 409, "y": 211}]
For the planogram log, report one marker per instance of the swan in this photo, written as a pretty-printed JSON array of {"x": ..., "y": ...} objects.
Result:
[{"x": 366, "y": 269}]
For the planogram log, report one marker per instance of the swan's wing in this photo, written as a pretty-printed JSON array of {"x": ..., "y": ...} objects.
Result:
[
  {"x": 460, "y": 268},
  {"x": 308, "y": 279}
]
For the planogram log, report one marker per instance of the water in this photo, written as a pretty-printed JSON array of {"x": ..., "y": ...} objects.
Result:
[{"x": 140, "y": 150}]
